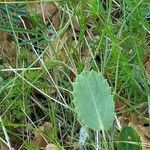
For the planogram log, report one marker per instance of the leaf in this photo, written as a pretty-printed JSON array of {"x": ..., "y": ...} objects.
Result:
[
  {"x": 18, "y": 30},
  {"x": 129, "y": 140},
  {"x": 48, "y": 10},
  {"x": 51, "y": 147},
  {"x": 7, "y": 46},
  {"x": 40, "y": 141},
  {"x": 93, "y": 100},
  {"x": 3, "y": 146},
  {"x": 147, "y": 68},
  {"x": 144, "y": 133}
]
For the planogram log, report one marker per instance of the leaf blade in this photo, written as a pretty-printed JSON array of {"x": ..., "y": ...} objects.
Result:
[{"x": 93, "y": 100}]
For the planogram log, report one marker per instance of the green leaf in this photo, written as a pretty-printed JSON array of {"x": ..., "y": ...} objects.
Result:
[
  {"x": 18, "y": 30},
  {"x": 93, "y": 100},
  {"x": 129, "y": 140}
]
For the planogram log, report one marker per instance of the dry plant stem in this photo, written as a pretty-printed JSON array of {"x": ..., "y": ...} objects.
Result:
[
  {"x": 34, "y": 125},
  {"x": 70, "y": 14},
  {"x": 41, "y": 61},
  {"x": 6, "y": 135},
  {"x": 90, "y": 50},
  {"x": 42, "y": 10},
  {"x": 98, "y": 144},
  {"x": 20, "y": 69},
  {"x": 74, "y": 34},
  {"x": 3, "y": 141},
  {"x": 118, "y": 123},
  {"x": 65, "y": 49},
  {"x": 128, "y": 104},
  {"x": 66, "y": 106},
  {"x": 149, "y": 108},
  {"x": 116, "y": 3},
  {"x": 28, "y": 2}
]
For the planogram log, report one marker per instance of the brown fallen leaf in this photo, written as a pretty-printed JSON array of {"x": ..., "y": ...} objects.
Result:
[
  {"x": 126, "y": 118},
  {"x": 2, "y": 36},
  {"x": 57, "y": 48},
  {"x": 56, "y": 21},
  {"x": 136, "y": 119},
  {"x": 144, "y": 133},
  {"x": 147, "y": 67},
  {"x": 58, "y": 44},
  {"x": 75, "y": 23},
  {"x": 119, "y": 105},
  {"x": 3, "y": 146},
  {"x": 40, "y": 140},
  {"x": 123, "y": 121},
  {"x": 7, "y": 46},
  {"x": 48, "y": 10},
  {"x": 50, "y": 147}
]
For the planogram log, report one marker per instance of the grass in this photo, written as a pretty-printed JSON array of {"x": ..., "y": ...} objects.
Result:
[{"x": 37, "y": 72}]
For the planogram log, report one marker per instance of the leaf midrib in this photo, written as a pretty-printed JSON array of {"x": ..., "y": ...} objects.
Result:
[{"x": 95, "y": 106}]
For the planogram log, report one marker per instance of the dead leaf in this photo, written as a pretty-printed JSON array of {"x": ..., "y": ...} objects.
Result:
[
  {"x": 125, "y": 118},
  {"x": 119, "y": 105},
  {"x": 72, "y": 76},
  {"x": 3, "y": 146},
  {"x": 75, "y": 23},
  {"x": 7, "y": 46},
  {"x": 50, "y": 147},
  {"x": 58, "y": 44},
  {"x": 56, "y": 21},
  {"x": 40, "y": 141},
  {"x": 48, "y": 10},
  {"x": 123, "y": 121},
  {"x": 144, "y": 133},
  {"x": 136, "y": 119},
  {"x": 63, "y": 56},
  {"x": 147, "y": 68},
  {"x": 57, "y": 48},
  {"x": 2, "y": 36}
]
